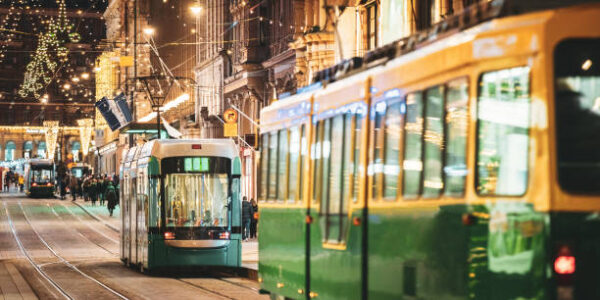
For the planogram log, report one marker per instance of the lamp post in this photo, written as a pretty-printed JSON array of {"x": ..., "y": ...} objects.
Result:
[{"x": 157, "y": 88}]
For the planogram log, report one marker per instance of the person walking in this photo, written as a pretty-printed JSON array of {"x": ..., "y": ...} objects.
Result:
[
  {"x": 254, "y": 220},
  {"x": 93, "y": 191},
  {"x": 111, "y": 197},
  {"x": 64, "y": 182},
  {"x": 102, "y": 189},
  {"x": 21, "y": 183},
  {"x": 73, "y": 187},
  {"x": 246, "y": 216}
]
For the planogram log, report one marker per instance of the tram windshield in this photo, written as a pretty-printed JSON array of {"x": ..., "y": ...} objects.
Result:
[
  {"x": 577, "y": 107},
  {"x": 196, "y": 191},
  {"x": 41, "y": 175}
]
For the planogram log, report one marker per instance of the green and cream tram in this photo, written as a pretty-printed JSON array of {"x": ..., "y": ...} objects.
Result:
[
  {"x": 39, "y": 178},
  {"x": 181, "y": 204},
  {"x": 453, "y": 164}
]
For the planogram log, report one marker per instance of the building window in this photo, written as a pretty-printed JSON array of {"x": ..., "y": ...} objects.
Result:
[
  {"x": 372, "y": 25},
  {"x": 10, "y": 151}
]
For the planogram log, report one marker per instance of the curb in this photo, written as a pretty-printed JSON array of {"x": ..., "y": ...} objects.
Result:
[{"x": 111, "y": 227}]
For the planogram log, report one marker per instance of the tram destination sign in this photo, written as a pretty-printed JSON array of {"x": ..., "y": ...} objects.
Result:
[{"x": 196, "y": 164}]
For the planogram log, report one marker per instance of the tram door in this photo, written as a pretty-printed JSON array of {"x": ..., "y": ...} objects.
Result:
[
  {"x": 142, "y": 213},
  {"x": 336, "y": 235},
  {"x": 133, "y": 215},
  {"x": 124, "y": 205}
]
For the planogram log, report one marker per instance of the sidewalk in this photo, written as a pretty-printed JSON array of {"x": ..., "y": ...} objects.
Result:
[{"x": 100, "y": 213}]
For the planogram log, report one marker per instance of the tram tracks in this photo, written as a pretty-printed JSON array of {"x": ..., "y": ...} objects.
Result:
[
  {"x": 39, "y": 267},
  {"x": 181, "y": 280}
]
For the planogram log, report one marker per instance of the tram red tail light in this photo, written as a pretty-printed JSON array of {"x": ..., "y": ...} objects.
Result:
[
  {"x": 224, "y": 235},
  {"x": 169, "y": 235},
  {"x": 564, "y": 265}
]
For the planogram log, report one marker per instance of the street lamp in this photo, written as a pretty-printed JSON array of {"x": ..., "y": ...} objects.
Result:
[
  {"x": 157, "y": 88},
  {"x": 196, "y": 9},
  {"x": 149, "y": 31}
]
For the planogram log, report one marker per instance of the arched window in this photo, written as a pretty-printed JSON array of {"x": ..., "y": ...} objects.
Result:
[
  {"x": 41, "y": 150},
  {"x": 75, "y": 150},
  {"x": 27, "y": 149},
  {"x": 9, "y": 155}
]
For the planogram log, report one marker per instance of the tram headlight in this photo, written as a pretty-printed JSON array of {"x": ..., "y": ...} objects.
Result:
[
  {"x": 34, "y": 184},
  {"x": 169, "y": 235},
  {"x": 49, "y": 184},
  {"x": 224, "y": 235}
]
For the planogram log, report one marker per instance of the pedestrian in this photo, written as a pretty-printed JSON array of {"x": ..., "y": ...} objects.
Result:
[
  {"x": 101, "y": 187},
  {"x": 7, "y": 182},
  {"x": 246, "y": 216},
  {"x": 80, "y": 186},
  {"x": 85, "y": 185},
  {"x": 254, "y": 220},
  {"x": 93, "y": 191},
  {"x": 21, "y": 183},
  {"x": 64, "y": 182},
  {"x": 73, "y": 187},
  {"x": 111, "y": 197}
]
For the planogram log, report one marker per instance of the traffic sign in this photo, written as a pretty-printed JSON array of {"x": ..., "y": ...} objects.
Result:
[{"x": 230, "y": 115}]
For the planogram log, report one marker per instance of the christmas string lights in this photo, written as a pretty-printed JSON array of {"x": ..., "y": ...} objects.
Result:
[{"x": 41, "y": 68}]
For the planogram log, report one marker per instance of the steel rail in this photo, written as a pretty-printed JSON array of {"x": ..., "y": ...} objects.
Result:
[
  {"x": 66, "y": 262},
  {"x": 35, "y": 266}
]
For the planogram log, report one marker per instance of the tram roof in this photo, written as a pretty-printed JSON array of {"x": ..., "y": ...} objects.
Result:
[
  {"x": 190, "y": 147},
  {"x": 40, "y": 161}
]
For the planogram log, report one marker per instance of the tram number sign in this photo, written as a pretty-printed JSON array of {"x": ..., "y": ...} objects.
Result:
[{"x": 195, "y": 164}]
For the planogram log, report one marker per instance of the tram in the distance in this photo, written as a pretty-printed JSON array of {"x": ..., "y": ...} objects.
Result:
[
  {"x": 39, "y": 178},
  {"x": 459, "y": 163},
  {"x": 81, "y": 170},
  {"x": 181, "y": 204}
]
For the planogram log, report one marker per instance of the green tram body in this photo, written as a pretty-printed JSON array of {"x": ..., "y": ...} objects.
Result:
[
  {"x": 34, "y": 186},
  {"x": 467, "y": 243},
  {"x": 144, "y": 243}
]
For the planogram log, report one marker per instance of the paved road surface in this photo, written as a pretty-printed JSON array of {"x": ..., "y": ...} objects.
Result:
[{"x": 51, "y": 249}]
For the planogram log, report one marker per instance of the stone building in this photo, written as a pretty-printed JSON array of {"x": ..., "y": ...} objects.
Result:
[{"x": 213, "y": 65}]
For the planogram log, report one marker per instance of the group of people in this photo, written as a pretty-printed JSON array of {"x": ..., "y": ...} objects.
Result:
[
  {"x": 94, "y": 188},
  {"x": 10, "y": 179},
  {"x": 249, "y": 218}
]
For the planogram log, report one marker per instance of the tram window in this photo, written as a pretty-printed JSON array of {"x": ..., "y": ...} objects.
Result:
[
  {"x": 577, "y": 102},
  {"x": 455, "y": 169},
  {"x": 303, "y": 153},
  {"x": 393, "y": 136},
  {"x": 377, "y": 164},
  {"x": 503, "y": 132},
  {"x": 282, "y": 155},
  {"x": 413, "y": 146},
  {"x": 272, "y": 177},
  {"x": 199, "y": 197},
  {"x": 356, "y": 156},
  {"x": 325, "y": 164},
  {"x": 336, "y": 163},
  {"x": 434, "y": 142},
  {"x": 264, "y": 166},
  {"x": 293, "y": 166},
  {"x": 316, "y": 156},
  {"x": 347, "y": 168}
]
